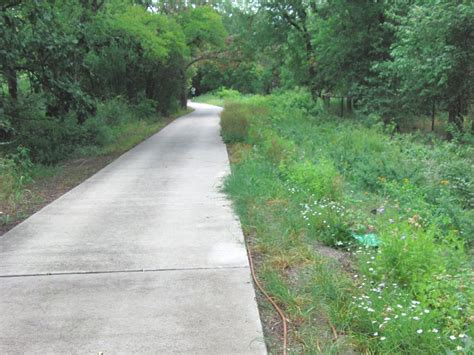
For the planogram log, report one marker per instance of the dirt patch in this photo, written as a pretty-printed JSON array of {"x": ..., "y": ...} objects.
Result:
[
  {"x": 69, "y": 174},
  {"x": 45, "y": 190},
  {"x": 341, "y": 257}
]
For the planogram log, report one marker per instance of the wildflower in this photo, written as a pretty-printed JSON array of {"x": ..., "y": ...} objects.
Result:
[
  {"x": 444, "y": 182},
  {"x": 404, "y": 314},
  {"x": 386, "y": 319},
  {"x": 435, "y": 330},
  {"x": 370, "y": 310},
  {"x": 399, "y": 306},
  {"x": 371, "y": 269},
  {"x": 426, "y": 311},
  {"x": 376, "y": 334},
  {"x": 462, "y": 335},
  {"x": 416, "y": 318},
  {"x": 383, "y": 338},
  {"x": 459, "y": 348},
  {"x": 419, "y": 331},
  {"x": 452, "y": 337}
]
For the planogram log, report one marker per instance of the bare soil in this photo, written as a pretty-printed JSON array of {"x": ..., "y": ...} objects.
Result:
[{"x": 45, "y": 190}]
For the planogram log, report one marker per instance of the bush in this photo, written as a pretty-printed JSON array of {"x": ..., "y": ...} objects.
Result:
[
  {"x": 321, "y": 180},
  {"x": 145, "y": 109},
  {"x": 235, "y": 123},
  {"x": 15, "y": 172},
  {"x": 412, "y": 294},
  {"x": 227, "y": 94},
  {"x": 113, "y": 111},
  {"x": 275, "y": 148}
]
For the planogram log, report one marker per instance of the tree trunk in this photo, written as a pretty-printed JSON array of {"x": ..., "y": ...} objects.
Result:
[
  {"x": 349, "y": 104},
  {"x": 183, "y": 98},
  {"x": 12, "y": 82},
  {"x": 150, "y": 87},
  {"x": 342, "y": 106},
  {"x": 455, "y": 117},
  {"x": 433, "y": 108}
]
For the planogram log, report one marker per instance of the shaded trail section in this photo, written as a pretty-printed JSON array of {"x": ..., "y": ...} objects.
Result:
[{"x": 144, "y": 256}]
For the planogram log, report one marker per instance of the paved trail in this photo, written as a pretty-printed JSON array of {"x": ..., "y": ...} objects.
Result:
[{"x": 145, "y": 256}]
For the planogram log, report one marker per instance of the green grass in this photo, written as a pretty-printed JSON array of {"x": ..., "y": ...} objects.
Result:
[
  {"x": 218, "y": 97},
  {"x": 302, "y": 178},
  {"x": 26, "y": 186}
]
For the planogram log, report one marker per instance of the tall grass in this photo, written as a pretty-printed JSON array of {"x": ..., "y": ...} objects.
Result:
[{"x": 302, "y": 177}]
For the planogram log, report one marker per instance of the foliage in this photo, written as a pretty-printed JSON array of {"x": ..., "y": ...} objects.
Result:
[
  {"x": 234, "y": 123},
  {"x": 63, "y": 65},
  {"x": 310, "y": 178}
]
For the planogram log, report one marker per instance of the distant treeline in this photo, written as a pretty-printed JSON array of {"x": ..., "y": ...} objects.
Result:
[{"x": 394, "y": 58}]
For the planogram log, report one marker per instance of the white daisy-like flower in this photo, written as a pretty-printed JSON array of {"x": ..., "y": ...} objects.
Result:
[
  {"x": 416, "y": 318},
  {"x": 452, "y": 337},
  {"x": 419, "y": 331},
  {"x": 426, "y": 311},
  {"x": 462, "y": 335},
  {"x": 435, "y": 330},
  {"x": 459, "y": 348},
  {"x": 383, "y": 338},
  {"x": 376, "y": 334}
]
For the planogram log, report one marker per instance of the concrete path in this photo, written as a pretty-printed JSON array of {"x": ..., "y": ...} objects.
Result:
[{"x": 145, "y": 256}]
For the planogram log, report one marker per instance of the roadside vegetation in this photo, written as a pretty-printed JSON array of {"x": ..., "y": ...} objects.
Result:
[
  {"x": 305, "y": 183},
  {"x": 27, "y": 186},
  {"x": 352, "y": 168},
  {"x": 82, "y": 82},
  {"x": 350, "y": 131}
]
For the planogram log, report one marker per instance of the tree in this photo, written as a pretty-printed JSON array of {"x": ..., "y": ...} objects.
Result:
[{"x": 433, "y": 56}]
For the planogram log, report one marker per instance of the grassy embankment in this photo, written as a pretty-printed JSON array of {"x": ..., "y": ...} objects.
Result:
[
  {"x": 303, "y": 182},
  {"x": 25, "y": 187}
]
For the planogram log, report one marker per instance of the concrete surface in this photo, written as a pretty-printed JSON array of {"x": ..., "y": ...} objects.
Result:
[{"x": 144, "y": 256}]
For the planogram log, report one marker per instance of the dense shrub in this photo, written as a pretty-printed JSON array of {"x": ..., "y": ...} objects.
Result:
[
  {"x": 412, "y": 294},
  {"x": 15, "y": 172},
  {"x": 320, "y": 180},
  {"x": 234, "y": 123}
]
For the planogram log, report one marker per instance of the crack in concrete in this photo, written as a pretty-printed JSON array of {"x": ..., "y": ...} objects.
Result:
[{"x": 92, "y": 272}]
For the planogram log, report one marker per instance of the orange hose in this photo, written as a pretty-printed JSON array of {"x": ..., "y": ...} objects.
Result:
[{"x": 278, "y": 309}]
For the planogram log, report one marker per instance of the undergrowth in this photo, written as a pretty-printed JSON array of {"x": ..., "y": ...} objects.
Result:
[
  {"x": 302, "y": 178},
  {"x": 116, "y": 128}
]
